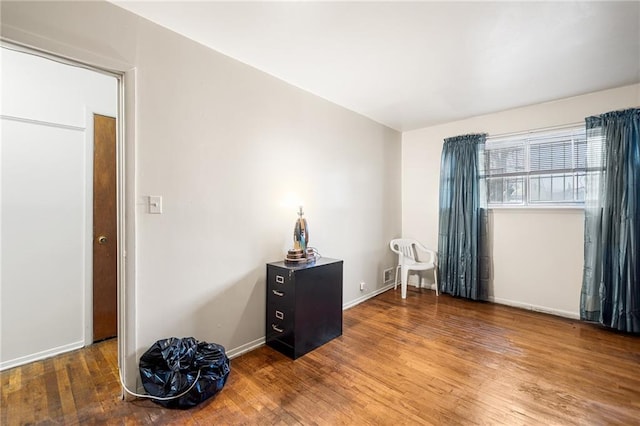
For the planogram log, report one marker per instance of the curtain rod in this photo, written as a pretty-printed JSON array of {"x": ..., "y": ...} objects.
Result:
[{"x": 542, "y": 129}]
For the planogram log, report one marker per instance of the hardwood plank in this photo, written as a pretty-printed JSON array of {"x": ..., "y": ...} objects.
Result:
[
  {"x": 36, "y": 391},
  {"x": 67, "y": 404},
  {"x": 422, "y": 360},
  {"x": 12, "y": 395},
  {"x": 52, "y": 392}
]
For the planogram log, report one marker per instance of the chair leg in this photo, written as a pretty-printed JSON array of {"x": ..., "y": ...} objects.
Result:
[
  {"x": 435, "y": 278},
  {"x": 395, "y": 282},
  {"x": 405, "y": 280}
]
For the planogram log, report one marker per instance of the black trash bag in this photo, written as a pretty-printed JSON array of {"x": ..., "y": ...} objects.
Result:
[{"x": 171, "y": 366}]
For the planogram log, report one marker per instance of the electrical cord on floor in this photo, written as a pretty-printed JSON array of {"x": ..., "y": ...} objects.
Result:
[{"x": 158, "y": 398}]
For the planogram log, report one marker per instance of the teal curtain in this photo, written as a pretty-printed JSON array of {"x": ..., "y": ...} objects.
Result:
[
  {"x": 611, "y": 276},
  {"x": 462, "y": 224}
]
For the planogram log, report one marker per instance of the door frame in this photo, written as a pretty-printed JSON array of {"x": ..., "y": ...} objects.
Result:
[{"x": 125, "y": 192}]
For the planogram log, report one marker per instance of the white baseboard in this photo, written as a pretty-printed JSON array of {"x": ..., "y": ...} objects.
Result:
[
  {"x": 4, "y": 365},
  {"x": 242, "y": 349},
  {"x": 536, "y": 308},
  {"x": 367, "y": 296}
]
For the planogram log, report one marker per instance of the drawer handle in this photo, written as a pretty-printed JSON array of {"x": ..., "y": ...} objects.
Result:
[
  {"x": 279, "y": 315},
  {"x": 275, "y": 327},
  {"x": 278, "y": 293},
  {"x": 279, "y": 279}
]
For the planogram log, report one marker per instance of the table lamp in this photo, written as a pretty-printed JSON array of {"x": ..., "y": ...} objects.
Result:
[{"x": 301, "y": 252}]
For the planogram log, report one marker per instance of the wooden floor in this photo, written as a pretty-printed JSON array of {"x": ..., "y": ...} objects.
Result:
[{"x": 423, "y": 360}]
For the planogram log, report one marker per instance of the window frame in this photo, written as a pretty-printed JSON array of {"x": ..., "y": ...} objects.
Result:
[{"x": 575, "y": 133}]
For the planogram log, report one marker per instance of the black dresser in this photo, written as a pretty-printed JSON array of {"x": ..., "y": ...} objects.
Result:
[{"x": 304, "y": 305}]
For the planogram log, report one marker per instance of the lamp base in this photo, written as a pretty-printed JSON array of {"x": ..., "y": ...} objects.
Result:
[{"x": 299, "y": 256}]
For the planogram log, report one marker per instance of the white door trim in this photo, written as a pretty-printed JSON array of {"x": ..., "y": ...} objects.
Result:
[{"x": 125, "y": 163}]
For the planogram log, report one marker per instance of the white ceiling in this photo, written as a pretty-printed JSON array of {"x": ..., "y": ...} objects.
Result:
[{"x": 414, "y": 64}]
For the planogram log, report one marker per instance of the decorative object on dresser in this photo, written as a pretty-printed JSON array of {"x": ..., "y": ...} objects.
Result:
[
  {"x": 304, "y": 305},
  {"x": 301, "y": 252}
]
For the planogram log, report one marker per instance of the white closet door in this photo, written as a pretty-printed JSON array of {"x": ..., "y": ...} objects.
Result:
[{"x": 43, "y": 194}]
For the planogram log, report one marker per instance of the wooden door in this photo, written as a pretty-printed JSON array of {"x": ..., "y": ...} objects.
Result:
[{"x": 105, "y": 263}]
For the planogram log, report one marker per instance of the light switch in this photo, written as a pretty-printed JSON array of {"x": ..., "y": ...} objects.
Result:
[{"x": 155, "y": 204}]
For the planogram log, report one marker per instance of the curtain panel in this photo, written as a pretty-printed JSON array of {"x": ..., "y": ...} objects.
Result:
[
  {"x": 610, "y": 286},
  {"x": 462, "y": 254}
]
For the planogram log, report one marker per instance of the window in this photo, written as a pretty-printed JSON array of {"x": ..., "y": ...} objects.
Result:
[{"x": 537, "y": 168}]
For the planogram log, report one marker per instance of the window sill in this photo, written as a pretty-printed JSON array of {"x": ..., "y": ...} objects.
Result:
[{"x": 539, "y": 207}]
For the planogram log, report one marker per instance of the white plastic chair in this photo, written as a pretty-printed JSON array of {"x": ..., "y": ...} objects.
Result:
[{"x": 406, "y": 249}]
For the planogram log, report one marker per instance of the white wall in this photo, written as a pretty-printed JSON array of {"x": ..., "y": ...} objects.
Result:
[
  {"x": 537, "y": 253},
  {"x": 45, "y": 203},
  {"x": 226, "y": 146}
]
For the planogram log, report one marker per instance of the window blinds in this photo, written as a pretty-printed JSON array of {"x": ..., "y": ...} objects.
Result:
[
  {"x": 538, "y": 167},
  {"x": 558, "y": 151}
]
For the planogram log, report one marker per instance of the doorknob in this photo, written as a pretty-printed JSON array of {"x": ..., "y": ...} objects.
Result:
[{"x": 102, "y": 239}]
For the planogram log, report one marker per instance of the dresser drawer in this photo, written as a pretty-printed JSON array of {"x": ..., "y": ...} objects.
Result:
[
  {"x": 280, "y": 297},
  {"x": 280, "y": 315},
  {"x": 280, "y": 280},
  {"x": 280, "y": 325}
]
